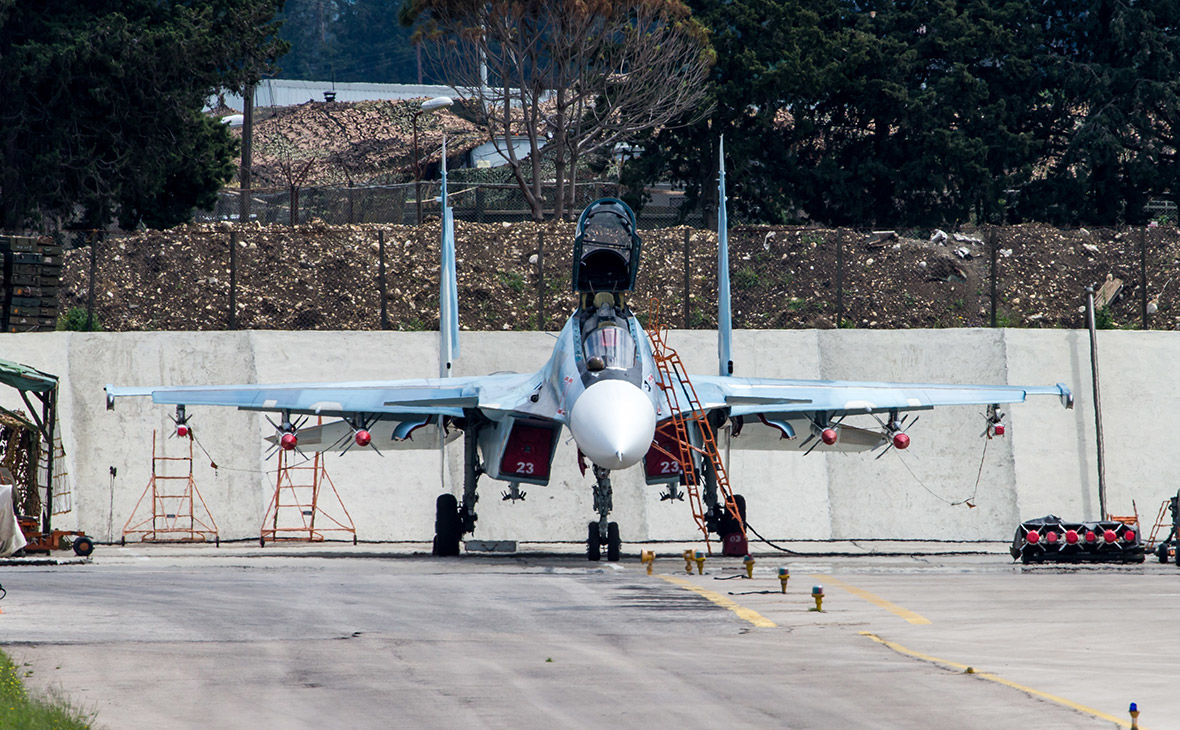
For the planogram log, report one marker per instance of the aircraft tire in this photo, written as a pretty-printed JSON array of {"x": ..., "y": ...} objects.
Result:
[
  {"x": 613, "y": 543},
  {"x": 593, "y": 543},
  {"x": 447, "y": 526}
]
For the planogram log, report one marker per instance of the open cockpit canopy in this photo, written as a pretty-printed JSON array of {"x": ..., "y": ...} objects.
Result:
[{"x": 606, "y": 248}]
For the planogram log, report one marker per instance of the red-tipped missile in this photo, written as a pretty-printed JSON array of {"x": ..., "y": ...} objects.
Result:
[
  {"x": 182, "y": 430},
  {"x": 1071, "y": 537},
  {"x": 289, "y": 441},
  {"x": 998, "y": 429},
  {"x": 901, "y": 441},
  {"x": 363, "y": 437},
  {"x": 1051, "y": 537},
  {"x": 829, "y": 436},
  {"x": 1129, "y": 536},
  {"x": 1090, "y": 536},
  {"x": 1033, "y": 537},
  {"x": 1109, "y": 536}
]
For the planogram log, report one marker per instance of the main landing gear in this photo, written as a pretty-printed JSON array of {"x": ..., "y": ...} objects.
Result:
[
  {"x": 602, "y": 532},
  {"x": 452, "y": 521}
]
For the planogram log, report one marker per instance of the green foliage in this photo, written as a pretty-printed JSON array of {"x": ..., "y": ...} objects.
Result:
[
  {"x": 746, "y": 277},
  {"x": 102, "y": 117},
  {"x": 349, "y": 40},
  {"x": 74, "y": 320},
  {"x": 19, "y": 711},
  {"x": 931, "y": 113},
  {"x": 1104, "y": 319},
  {"x": 512, "y": 280}
]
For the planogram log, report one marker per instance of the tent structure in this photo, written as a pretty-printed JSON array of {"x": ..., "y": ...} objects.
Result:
[{"x": 32, "y": 384}]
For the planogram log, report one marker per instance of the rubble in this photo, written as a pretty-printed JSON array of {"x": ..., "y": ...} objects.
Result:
[{"x": 317, "y": 276}]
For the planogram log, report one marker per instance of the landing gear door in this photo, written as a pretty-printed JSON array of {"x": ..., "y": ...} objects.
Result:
[
  {"x": 520, "y": 449},
  {"x": 661, "y": 464}
]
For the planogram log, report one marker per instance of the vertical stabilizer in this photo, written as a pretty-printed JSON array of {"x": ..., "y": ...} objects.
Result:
[
  {"x": 724, "y": 317},
  {"x": 448, "y": 294}
]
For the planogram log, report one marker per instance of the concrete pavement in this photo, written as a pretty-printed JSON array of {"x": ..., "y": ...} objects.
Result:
[{"x": 156, "y": 636}]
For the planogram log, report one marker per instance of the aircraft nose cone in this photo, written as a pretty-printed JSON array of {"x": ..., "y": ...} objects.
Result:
[{"x": 613, "y": 423}]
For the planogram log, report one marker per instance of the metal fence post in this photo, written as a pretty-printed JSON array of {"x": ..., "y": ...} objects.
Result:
[
  {"x": 233, "y": 280},
  {"x": 381, "y": 278},
  {"x": 687, "y": 279},
  {"x": 993, "y": 247},
  {"x": 90, "y": 294},
  {"x": 540, "y": 280},
  {"x": 1143, "y": 274},
  {"x": 839, "y": 280}
]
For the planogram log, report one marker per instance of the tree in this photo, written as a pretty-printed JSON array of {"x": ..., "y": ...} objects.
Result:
[
  {"x": 102, "y": 117},
  {"x": 1116, "y": 71},
  {"x": 881, "y": 112},
  {"x": 572, "y": 76}
]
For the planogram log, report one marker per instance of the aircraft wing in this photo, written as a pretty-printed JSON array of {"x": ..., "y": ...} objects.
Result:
[
  {"x": 427, "y": 397},
  {"x": 770, "y": 414},
  {"x": 753, "y": 396}
]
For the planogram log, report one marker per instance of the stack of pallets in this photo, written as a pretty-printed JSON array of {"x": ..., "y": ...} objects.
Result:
[{"x": 32, "y": 274}]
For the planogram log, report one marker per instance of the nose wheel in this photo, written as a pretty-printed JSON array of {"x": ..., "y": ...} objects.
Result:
[{"x": 595, "y": 542}]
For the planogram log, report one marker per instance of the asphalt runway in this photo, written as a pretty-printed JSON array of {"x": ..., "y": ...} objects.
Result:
[{"x": 203, "y": 637}]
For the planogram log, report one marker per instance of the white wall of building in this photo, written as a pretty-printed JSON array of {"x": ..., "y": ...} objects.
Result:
[{"x": 1045, "y": 464}]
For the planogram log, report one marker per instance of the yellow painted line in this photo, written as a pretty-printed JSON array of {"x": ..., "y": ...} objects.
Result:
[
  {"x": 1000, "y": 680},
  {"x": 876, "y": 600},
  {"x": 744, "y": 613}
]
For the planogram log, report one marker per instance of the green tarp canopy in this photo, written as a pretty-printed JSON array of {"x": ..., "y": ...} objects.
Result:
[{"x": 23, "y": 377}]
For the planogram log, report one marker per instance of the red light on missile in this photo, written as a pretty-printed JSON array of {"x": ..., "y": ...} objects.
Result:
[
  {"x": 901, "y": 441},
  {"x": 829, "y": 436},
  {"x": 1051, "y": 537},
  {"x": 363, "y": 438},
  {"x": 1071, "y": 537},
  {"x": 1129, "y": 536},
  {"x": 1109, "y": 536},
  {"x": 998, "y": 429},
  {"x": 1090, "y": 536},
  {"x": 182, "y": 430},
  {"x": 1033, "y": 537},
  {"x": 288, "y": 441}
]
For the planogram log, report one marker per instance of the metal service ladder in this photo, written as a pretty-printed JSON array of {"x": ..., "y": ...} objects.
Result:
[
  {"x": 173, "y": 515},
  {"x": 673, "y": 380},
  {"x": 297, "y": 497}
]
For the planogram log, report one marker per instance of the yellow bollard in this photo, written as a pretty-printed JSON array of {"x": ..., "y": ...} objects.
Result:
[
  {"x": 1134, "y": 716},
  {"x": 749, "y": 561},
  {"x": 784, "y": 575},
  {"x": 817, "y": 592},
  {"x": 648, "y": 558},
  {"x": 700, "y": 558},
  {"x": 688, "y": 562}
]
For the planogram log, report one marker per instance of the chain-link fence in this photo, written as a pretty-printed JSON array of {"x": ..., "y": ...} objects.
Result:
[{"x": 409, "y": 203}]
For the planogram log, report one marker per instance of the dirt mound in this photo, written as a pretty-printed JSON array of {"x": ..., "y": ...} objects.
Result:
[{"x": 317, "y": 276}]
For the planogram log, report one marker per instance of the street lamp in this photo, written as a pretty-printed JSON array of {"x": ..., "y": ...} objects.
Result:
[{"x": 430, "y": 105}]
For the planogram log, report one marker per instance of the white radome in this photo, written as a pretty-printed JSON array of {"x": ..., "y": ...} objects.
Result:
[{"x": 613, "y": 423}]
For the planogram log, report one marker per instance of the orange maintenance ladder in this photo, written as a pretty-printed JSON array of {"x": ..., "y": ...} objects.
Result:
[
  {"x": 299, "y": 504},
  {"x": 673, "y": 381},
  {"x": 173, "y": 515}
]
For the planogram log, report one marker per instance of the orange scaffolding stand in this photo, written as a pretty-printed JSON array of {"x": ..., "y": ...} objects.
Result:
[
  {"x": 295, "y": 505},
  {"x": 671, "y": 373},
  {"x": 1161, "y": 521},
  {"x": 174, "y": 516}
]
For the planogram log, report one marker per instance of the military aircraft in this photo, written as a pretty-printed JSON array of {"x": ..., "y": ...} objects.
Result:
[{"x": 600, "y": 383}]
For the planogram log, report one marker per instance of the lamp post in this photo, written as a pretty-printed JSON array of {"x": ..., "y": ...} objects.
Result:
[{"x": 430, "y": 105}]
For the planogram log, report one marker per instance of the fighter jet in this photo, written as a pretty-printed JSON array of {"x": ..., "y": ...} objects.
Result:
[{"x": 601, "y": 383}]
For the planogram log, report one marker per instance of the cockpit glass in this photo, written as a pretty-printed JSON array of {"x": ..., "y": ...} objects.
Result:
[
  {"x": 613, "y": 345},
  {"x": 607, "y": 226}
]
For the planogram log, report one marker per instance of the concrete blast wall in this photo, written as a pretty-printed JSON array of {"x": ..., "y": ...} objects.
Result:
[{"x": 1045, "y": 464}]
